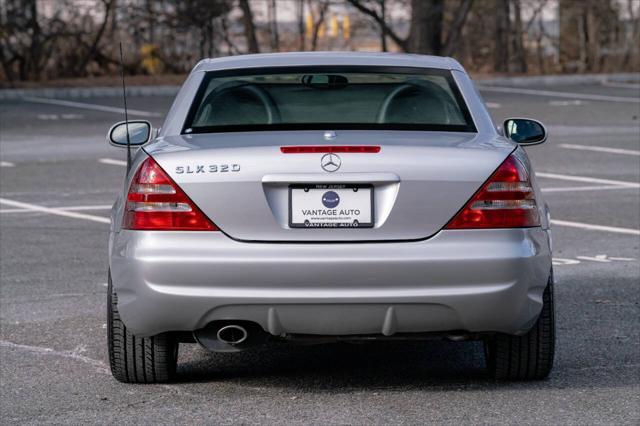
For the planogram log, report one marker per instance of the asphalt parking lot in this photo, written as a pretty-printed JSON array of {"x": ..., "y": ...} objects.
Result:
[{"x": 58, "y": 178}]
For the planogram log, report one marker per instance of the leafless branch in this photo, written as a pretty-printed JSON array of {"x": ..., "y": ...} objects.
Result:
[{"x": 402, "y": 43}]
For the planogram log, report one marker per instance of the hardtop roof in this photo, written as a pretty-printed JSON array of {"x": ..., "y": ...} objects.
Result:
[{"x": 327, "y": 58}]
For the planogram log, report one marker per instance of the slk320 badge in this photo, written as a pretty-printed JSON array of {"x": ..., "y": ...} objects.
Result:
[{"x": 208, "y": 168}]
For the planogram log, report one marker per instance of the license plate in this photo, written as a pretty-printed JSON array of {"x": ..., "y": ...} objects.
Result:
[{"x": 331, "y": 206}]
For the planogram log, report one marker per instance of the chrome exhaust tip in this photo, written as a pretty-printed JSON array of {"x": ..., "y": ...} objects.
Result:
[{"x": 232, "y": 334}]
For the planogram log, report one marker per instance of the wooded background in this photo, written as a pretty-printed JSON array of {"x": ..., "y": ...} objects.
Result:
[{"x": 58, "y": 39}]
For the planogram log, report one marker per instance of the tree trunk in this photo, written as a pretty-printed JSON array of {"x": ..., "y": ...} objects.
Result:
[
  {"x": 81, "y": 67},
  {"x": 425, "y": 32},
  {"x": 273, "y": 26},
  {"x": 203, "y": 41},
  {"x": 383, "y": 28},
  {"x": 591, "y": 33},
  {"x": 502, "y": 31},
  {"x": 402, "y": 43},
  {"x": 632, "y": 40},
  {"x": 317, "y": 23},
  {"x": 539, "y": 52},
  {"x": 33, "y": 62},
  {"x": 249, "y": 27},
  {"x": 150, "y": 21},
  {"x": 301, "y": 26},
  {"x": 455, "y": 30},
  {"x": 518, "y": 41}
]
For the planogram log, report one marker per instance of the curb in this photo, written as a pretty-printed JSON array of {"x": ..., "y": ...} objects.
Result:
[
  {"x": 142, "y": 91},
  {"x": 554, "y": 80},
  {"x": 88, "y": 92}
]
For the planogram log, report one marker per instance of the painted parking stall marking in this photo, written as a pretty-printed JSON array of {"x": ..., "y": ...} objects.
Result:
[
  {"x": 602, "y": 184},
  {"x": 112, "y": 162},
  {"x": 54, "y": 211},
  {"x": 604, "y": 149},
  {"x": 558, "y": 261},
  {"x": 588, "y": 179},
  {"x": 94, "y": 107},
  {"x": 70, "y": 208},
  {"x": 554, "y": 94},
  {"x": 598, "y": 258},
  {"x": 592, "y": 227},
  {"x": 60, "y": 116},
  {"x": 576, "y": 102}
]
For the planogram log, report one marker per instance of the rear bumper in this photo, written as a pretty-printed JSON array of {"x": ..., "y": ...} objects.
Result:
[{"x": 472, "y": 280}]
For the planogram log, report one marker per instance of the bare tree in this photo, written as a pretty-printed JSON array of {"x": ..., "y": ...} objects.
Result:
[
  {"x": 501, "y": 34},
  {"x": 29, "y": 41},
  {"x": 21, "y": 40},
  {"x": 539, "y": 49},
  {"x": 317, "y": 18},
  {"x": 249, "y": 27},
  {"x": 426, "y": 26},
  {"x": 633, "y": 39},
  {"x": 93, "y": 48},
  {"x": 71, "y": 38},
  {"x": 273, "y": 25},
  {"x": 455, "y": 29},
  {"x": 370, "y": 11},
  {"x": 520, "y": 57},
  {"x": 301, "y": 26},
  {"x": 383, "y": 28},
  {"x": 425, "y": 34}
]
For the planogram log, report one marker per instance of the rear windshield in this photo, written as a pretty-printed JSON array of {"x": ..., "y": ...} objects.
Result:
[{"x": 324, "y": 98}]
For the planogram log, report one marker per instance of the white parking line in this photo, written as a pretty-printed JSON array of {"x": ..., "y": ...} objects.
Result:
[
  {"x": 94, "y": 107},
  {"x": 112, "y": 162},
  {"x": 584, "y": 188},
  {"x": 588, "y": 179},
  {"x": 602, "y": 258},
  {"x": 558, "y": 261},
  {"x": 553, "y": 94},
  {"x": 576, "y": 102},
  {"x": 591, "y": 227},
  {"x": 72, "y": 208},
  {"x": 6, "y": 164},
  {"x": 621, "y": 85},
  {"x": 600, "y": 149},
  {"x": 60, "y": 116},
  {"x": 54, "y": 211}
]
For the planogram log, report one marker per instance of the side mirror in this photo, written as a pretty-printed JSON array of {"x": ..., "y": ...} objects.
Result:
[
  {"x": 525, "y": 131},
  {"x": 139, "y": 133}
]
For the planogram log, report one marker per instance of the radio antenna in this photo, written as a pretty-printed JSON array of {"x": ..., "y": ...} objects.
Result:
[{"x": 126, "y": 116}]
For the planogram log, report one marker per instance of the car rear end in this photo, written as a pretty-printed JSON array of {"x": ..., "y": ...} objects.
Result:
[{"x": 364, "y": 222}]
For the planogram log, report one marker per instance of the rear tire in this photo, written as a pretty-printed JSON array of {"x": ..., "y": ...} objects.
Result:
[
  {"x": 526, "y": 357},
  {"x": 138, "y": 359}
]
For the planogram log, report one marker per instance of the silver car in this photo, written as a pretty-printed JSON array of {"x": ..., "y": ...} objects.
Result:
[{"x": 329, "y": 197}]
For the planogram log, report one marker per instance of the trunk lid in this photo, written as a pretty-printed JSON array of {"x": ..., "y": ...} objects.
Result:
[{"x": 419, "y": 180}]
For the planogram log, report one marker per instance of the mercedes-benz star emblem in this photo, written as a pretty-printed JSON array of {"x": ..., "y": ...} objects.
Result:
[{"x": 330, "y": 162}]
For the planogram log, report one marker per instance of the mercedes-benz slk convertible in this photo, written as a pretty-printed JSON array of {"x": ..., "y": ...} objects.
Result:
[{"x": 323, "y": 197}]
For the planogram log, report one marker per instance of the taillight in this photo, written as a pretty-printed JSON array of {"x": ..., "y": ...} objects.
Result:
[
  {"x": 506, "y": 200},
  {"x": 155, "y": 202}
]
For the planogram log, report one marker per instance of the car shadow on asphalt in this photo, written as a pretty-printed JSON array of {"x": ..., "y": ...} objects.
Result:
[{"x": 341, "y": 366}]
